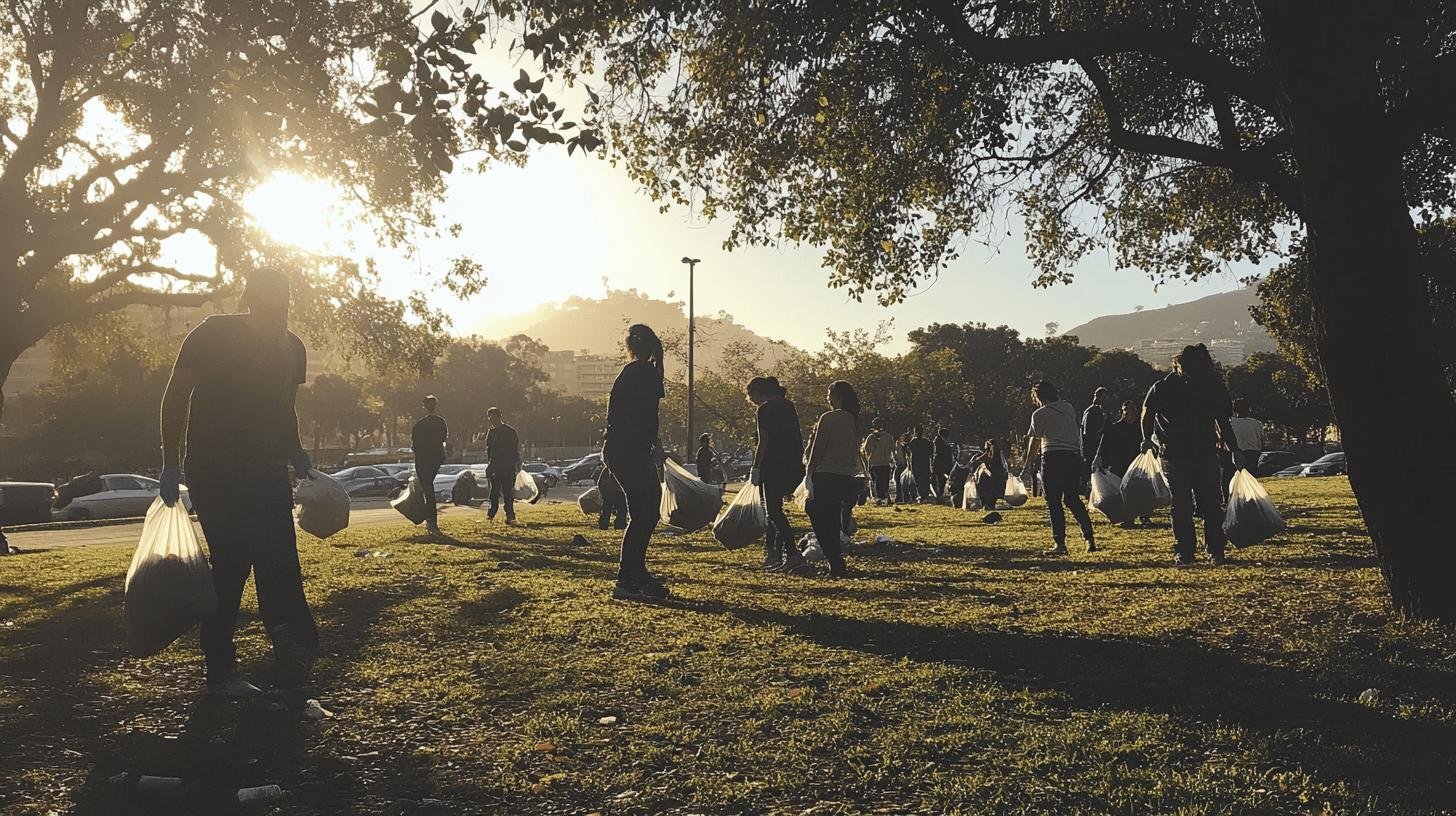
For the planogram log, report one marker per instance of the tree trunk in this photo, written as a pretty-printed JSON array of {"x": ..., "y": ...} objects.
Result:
[{"x": 1373, "y": 320}]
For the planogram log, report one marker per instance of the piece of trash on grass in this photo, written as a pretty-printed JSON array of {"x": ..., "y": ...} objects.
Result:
[
  {"x": 580, "y": 540},
  {"x": 369, "y": 552},
  {"x": 261, "y": 793},
  {"x": 883, "y": 540},
  {"x": 313, "y": 710},
  {"x": 607, "y": 721},
  {"x": 546, "y": 781},
  {"x": 508, "y": 565},
  {"x": 1370, "y": 697}
]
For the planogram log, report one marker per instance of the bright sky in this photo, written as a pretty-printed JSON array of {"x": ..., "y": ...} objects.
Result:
[{"x": 558, "y": 226}]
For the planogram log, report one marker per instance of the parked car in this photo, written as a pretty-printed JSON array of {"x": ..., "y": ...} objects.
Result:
[
  {"x": 26, "y": 502},
  {"x": 370, "y": 482},
  {"x": 584, "y": 468},
  {"x": 1271, "y": 462},
  {"x": 122, "y": 495},
  {"x": 376, "y": 456},
  {"x": 1331, "y": 464},
  {"x": 403, "y": 470},
  {"x": 449, "y": 474},
  {"x": 1295, "y": 470},
  {"x": 552, "y": 476}
]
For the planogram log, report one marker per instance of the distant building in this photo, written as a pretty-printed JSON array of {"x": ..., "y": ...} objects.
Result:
[
  {"x": 1228, "y": 352},
  {"x": 580, "y": 374},
  {"x": 1158, "y": 353}
]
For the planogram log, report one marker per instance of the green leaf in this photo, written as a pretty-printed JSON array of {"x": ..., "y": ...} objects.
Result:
[{"x": 439, "y": 21}]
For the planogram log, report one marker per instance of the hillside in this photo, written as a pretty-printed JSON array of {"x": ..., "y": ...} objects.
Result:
[
  {"x": 598, "y": 326},
  {"x": 1215, "y": 316}
]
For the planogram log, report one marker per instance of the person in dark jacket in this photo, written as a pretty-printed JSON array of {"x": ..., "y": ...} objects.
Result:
[
  {"x": 778, "y": 467},
  {"x": 1119, "y": 445},
  {"x": 941, "y": 463},
  {"x": 991, "y": 479},
  {"x": 632, "y": 427},
  {"x": 1185, "y": 417},
  {"x": 920, "y": 451},
  {"x": 707, "y": 460},
  {"x": 427, "y": 440},
  {"x": 503, "y": 453},
  {"x": 1094, "y": 419}
]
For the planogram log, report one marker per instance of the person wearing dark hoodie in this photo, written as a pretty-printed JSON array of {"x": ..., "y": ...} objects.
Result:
[
  {"x": 632, "y": 428},
  {"x": 921, "y": 451},
  {"x": 991, "y": 479},
  {"x": 1054, "y": 431},
  {"x": 707, "y": 460},
  {"x": 941, "y": 463},
  {"x": 778, "y": 467}
]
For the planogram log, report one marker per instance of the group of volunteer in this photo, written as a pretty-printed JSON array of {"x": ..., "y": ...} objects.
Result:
[{"x": 228, "y": 415}]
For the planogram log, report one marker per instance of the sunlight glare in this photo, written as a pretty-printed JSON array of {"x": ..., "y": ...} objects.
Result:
[{"x": 297, "y": 210}]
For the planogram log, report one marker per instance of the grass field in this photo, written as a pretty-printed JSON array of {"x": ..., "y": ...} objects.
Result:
[{"x": 964, "y": 674}]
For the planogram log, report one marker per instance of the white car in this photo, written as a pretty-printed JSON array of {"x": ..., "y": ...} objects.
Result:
[
  {"x": 122, "y": 495},
  {"x": 449, "y": 474}
]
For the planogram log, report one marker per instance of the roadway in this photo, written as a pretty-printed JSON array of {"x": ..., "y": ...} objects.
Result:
[{"x": 371, "y": 513}]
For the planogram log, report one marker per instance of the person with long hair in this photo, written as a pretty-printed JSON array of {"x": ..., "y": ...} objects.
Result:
[
  {"x": 1185, "y": 417},
  {"x": 831, "y": 471},
  {"x": 991, "y": 479},
  {"x": 1056, "y": 433},
  {"x": 778, "y": 467},
  {"x": 632, "y": 427}
]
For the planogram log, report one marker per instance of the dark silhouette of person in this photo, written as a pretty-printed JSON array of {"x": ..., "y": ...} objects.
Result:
[{"x": 427, "y": 440}]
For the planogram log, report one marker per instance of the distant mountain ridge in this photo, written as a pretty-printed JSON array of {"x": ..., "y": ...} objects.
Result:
[
  {"x": 1224, "y": 315},
  {"x": 597, "y": 325}
]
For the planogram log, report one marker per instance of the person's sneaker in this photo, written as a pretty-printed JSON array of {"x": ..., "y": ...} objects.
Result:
[
  {"x": 640, "y": 589},
  {"x": 1060, "y": 549},
  {"x": 1219, "y": 559},
  {"x": 1180, "y": 562},
  {"x": 653, "y": 587},
  {"x": 233, "y": 687},
  {"x": 510, "y": 521}
]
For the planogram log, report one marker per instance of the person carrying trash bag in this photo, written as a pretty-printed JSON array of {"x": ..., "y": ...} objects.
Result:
[
  {"x": 778, "y": 467},
  {"x": 427, "y": 441},
  {"x": 1117, "y": 446},
  {"x": 991, "y": 477},
  {"x": 1251, "y": 517},
  {"x": 232, "y": 389},
  {"x": 628, "y": 452},
  {"x": 1185, "y": 416},
  {"x": 1055, "y": 432},
  {"x": 830, "y": 471},
  {"x": 503, "y": 457},
  {"x": 921, "y": 451}
]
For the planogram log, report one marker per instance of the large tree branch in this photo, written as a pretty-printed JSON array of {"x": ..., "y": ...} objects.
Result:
[{"x": 1196, "y": 63}]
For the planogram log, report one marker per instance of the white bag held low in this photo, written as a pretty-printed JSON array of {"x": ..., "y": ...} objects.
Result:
[
  {"x": 970, "y": 500},
  {"x": 525, "y": 489},
  {"x": 169, "y": 584},
  {"x": 1144, "y": 488},
  {"x": 1107, "y": 496},
  {"x": 688, "y": 503},
  {"x": 743, "y": 521},
  {"x": 323, "y": 504},
  {"x": 1016, "y": 494},
  {"x": 1251, "y": 516},
  {"x": 411, "y": 502},
  {"x": 590, "y": 502},
  {"x": 801, "y": 495}
]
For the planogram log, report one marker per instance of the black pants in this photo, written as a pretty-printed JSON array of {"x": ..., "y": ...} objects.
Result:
[
  {"x": 502, "y": 484},
  {"x": 938, "y": 476},
  {"x": 426, "y": 472},
  {"x": 880, "y": 474},
  {"x": 991, "y": 488},
  {"x": 247, "y": 518},
  {"x": 636, "y": 473},
  {"x": 832, "y": 492},
  {"x": 922, "y": 480},
  {"x": 1194, "y": 482},
  {"x": 614, "y": 511},
  {"x": 779, "y": 543},
  {"x": 1061, "y": 475}
]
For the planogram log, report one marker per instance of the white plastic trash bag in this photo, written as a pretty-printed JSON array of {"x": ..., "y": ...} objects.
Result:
[
  {"x": 169, "y": 584},
  {"x": 1251, "y": 516},
  {"x": 590, "y": 502},
  {"x": 411, "y": 502},
  {"x": 811, "y": 551},
  {"x": 743, "y": 521},
  {"x": 1016, "y": 494},
  {"x": 323, "y": 504},
  {"x": 970, "y": 500},
  {"x": 1107, "y": 496},
  {"x": 525, "y": 489},
  {"x": 688, "y": 503},
  {"x": 907, "y": 485},
  {"x": 1144, "y": 489},
  {"x": 801, "y": 495}
]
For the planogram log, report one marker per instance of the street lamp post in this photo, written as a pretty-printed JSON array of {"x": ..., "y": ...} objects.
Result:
[{"x": 692, "y": 266}]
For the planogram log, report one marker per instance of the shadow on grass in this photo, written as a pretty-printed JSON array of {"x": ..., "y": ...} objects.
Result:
[{"x": 1407, "y": 761}]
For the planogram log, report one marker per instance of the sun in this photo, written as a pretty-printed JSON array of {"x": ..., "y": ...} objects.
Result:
[{"x": 297, "y": 210}]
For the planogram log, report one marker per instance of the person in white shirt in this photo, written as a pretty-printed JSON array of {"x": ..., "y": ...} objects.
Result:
[
  {"x": 1249, "y": 438},
  {"x": 1056, "y": 434}
]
